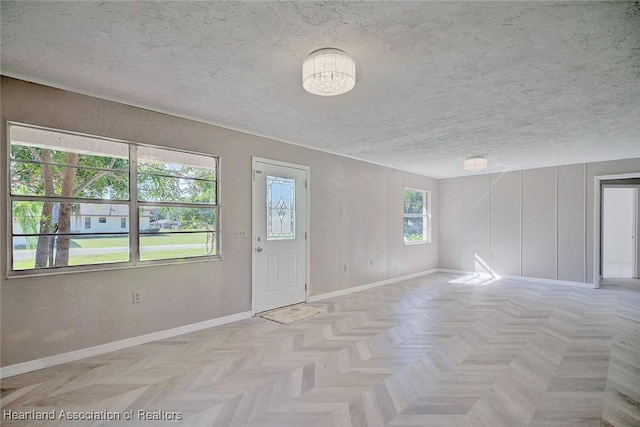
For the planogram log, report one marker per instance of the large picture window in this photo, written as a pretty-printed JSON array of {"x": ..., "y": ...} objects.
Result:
[
  {"x": 78, "y": 200},
  {"x": 417, "y": 216}
]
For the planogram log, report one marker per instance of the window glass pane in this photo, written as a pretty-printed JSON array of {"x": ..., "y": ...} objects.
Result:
[
  {"x": 414, "y": 202},
  {"x": 178, "y": 163},
  {"x": 164, "y": 219},
  {"x": 167, "y": 245},
  {"x": 66, "y": 218},
  {"x": 30, "y": 179},
  {"x": 281, "y": 208},
  {"x": 414, "y": 229},
  {"x": 162, "y": 188},
  {"x": 41, "y": 160},
  {"x": 31, "y": 252},
  {"x": 174, "y": 176},
  {"x": 39, "y": 139}
]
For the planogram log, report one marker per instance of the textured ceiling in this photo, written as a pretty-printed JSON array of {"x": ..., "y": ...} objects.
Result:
[{"x": 528, "y": 84}]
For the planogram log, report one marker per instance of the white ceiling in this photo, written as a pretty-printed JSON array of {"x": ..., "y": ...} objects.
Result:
[{"x": 528, "y": 84}]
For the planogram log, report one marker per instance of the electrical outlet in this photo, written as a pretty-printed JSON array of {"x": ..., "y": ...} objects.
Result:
[
  {"x": 346, "y": 268},
  {"x": 371, "y": 261},
  {"x": 241, "y": 234},
  {"x": 136, "y": 297}
]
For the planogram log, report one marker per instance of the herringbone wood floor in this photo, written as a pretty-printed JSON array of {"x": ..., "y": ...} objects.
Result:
[{"x": 438, "y": 350}]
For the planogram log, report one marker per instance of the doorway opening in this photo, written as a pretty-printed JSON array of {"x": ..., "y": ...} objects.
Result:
[
  {"x": 619, "y": 230},
  {"x": 616, "y": 254}
]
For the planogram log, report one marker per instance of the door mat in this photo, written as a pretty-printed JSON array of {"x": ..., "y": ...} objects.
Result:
[{"x": 291, "y": 314}]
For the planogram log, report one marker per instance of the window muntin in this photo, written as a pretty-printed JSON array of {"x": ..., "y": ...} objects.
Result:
[
  {"x": 70, "y": 198},
  {"x": 417, "y": 216}
]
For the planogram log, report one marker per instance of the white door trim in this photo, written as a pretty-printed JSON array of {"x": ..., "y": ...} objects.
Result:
[
  {"x": 307, "y": 171},
  {"x": 597, "y": 220}
]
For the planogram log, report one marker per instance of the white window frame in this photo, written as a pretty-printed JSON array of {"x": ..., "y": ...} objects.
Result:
[
  {"x": 425, "y": 215},
  {"x": 133, "y": 231}
]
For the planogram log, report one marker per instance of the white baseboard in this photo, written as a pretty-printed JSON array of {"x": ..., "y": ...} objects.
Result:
[
  {"x": 448, "y": 270},
  {"x": 368, "y": 286},
  {"x": 58, "y": 359},
  {"x": 550, "y": 281}
]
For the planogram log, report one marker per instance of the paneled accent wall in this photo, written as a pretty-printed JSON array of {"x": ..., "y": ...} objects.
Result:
[
  {"x": 475, "y": 221},
  {"x": 531, "y": 223},
  {"x": 450, "y": 207},
  {"x": 539, "y": 223},
  {"x": 571, "y": 233},
  {"x": 506, "y": 214}
]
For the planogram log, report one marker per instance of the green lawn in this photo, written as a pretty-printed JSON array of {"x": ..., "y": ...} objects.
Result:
[
  {"x": 28, "y": 264},
  {"x": 159, "y": 239}
]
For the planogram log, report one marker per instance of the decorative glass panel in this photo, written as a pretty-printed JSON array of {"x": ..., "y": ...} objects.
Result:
[{"x": 281, "y": 208}]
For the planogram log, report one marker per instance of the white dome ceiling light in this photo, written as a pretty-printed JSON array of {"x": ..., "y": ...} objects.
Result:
[
  {"x": 328, "y": 72},
  {"x": 475, "y": 163}
]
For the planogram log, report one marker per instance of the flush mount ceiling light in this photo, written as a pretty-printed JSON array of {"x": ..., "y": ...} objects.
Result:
[
  {"x": 328, "y": 72},
  {"x": 475, "y": 163}
]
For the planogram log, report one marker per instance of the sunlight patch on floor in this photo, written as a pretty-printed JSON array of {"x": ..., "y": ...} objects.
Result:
[{"x": 482, "y": 279}]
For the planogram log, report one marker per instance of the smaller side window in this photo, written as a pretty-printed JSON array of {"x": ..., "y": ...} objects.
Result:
[
  {"x": 123, "y": 222},
  {"x": 417, "y": 216},
  {"x": 87, "y": 222},
  {"x": 102, "y": 220}
]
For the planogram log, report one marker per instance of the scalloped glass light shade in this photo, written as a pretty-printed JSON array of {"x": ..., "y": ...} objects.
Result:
[
  {"x": 328, "y": 72},
  {"x": 475, "y": 163}
]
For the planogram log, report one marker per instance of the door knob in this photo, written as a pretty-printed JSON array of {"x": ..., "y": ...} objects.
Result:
[{"x": 258, "y": 250}]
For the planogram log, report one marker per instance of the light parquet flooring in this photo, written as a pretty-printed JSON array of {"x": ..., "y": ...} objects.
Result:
[{"x": 437, "y": 350}]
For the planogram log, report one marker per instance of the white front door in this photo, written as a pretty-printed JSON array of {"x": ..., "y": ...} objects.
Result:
[{"x": 279, "y": 234}]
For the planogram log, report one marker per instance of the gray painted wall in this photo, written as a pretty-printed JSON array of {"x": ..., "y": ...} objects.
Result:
[
  {"x": 356, "y": 217},
  {"x": 531, "y": 223}
]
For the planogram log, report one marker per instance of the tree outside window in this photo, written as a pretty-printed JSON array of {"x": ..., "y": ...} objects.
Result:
[{"x": 61, "y": 181}]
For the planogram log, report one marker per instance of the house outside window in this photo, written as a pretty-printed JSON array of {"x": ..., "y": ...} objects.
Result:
[
  {"x": 61, "y": 180},
  {"x": 417, "y": 216}
]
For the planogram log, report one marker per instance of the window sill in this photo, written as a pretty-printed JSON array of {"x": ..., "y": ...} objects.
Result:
[{"x": 105, "y": 267}]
